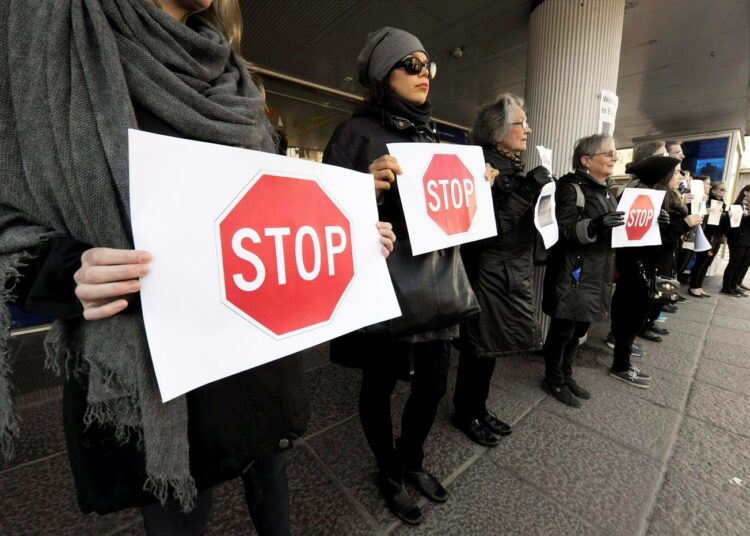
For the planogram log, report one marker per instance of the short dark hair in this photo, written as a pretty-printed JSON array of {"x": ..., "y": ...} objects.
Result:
[
  {"x": 588, "y": 146},
  {"x": 493, "y": 120},
  {"x": 644, "y": 150}
]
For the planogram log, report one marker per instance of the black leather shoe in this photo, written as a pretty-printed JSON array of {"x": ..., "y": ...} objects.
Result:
[
  {"x": 476, "y": 431},
  {"x": 577, "y": 390},
  {"x": 562, "y": 393},
  {"x": 649, "y": 336},
  {"x": 669, "y": 308},
  {"x": 495, "y": 425},
  {"x": 659, "y": 330},
  {"x": 427, "y": 485},
  {"x": 398, "y": 500}
]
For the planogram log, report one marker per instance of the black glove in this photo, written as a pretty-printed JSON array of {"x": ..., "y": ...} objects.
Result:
[
  {"x": 610, "y": 219},
  {"x": 538, "y": 177},
  {"x": 663, "y": 218}
]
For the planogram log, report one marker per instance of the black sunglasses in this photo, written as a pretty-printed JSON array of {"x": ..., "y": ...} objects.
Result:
[{"x": 413, "y": 65}]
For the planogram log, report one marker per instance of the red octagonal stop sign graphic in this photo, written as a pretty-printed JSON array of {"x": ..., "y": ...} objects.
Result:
[
  {"x": 450, "y": 193},
  {"x": 286, "y": 254},
  {"x": 639, "y": 218}
]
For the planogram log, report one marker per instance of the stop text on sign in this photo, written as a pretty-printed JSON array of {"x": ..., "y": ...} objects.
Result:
[
  {"x": 450, "y": 193},
  {"x": 640, "y": 217},
  {"x": 286, "y": 253}
]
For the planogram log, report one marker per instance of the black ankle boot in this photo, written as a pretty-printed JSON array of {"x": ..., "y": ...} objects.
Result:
[{"x": 398, "y": 500}]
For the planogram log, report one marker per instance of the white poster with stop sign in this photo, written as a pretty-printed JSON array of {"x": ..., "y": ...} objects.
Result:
[
  {"x": 256, "y": 256},
  {"x": 446, "y": 199},
  {"x": 641, "y": 207}
]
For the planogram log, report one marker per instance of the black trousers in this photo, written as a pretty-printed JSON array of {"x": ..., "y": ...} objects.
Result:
[
  {"x": 428, "y": 385},
  {"x": 560, "y": 348},
  {"x": 630, "y": 309},
  {"x": 701, "y": 265},
  {"x": 739, "y": 261},
  {"x": 472, "y": 385},
  {"x": 266, "y": 496}
]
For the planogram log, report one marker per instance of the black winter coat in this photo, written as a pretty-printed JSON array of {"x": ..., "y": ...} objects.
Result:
[
  {"x": 580, "y": 245},
  {"x": 500, "y": 270},
  {"x": 740, "y": 236},
  {"x": 231, "y": 422}
]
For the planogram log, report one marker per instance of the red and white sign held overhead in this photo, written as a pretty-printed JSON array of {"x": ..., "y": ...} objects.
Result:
[{"x": 286, "y": 254}]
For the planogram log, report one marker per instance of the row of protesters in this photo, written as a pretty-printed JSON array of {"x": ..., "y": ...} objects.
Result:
[
  {"x": 171, "y": 67},
  {"x": 738, "y": 240},
  {"x": 714, "y": 234}
]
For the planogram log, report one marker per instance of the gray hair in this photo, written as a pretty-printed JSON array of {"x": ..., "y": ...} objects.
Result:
[
  {"x": 589, "y": 146},
  {"x": 644, "y": 150},
  {"x": 494, "y": 120}
]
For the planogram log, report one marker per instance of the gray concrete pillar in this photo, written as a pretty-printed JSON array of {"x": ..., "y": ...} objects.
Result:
[{"x": 573, "y": 53}]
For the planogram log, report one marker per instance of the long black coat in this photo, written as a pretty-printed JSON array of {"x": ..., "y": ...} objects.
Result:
[
  {"x": 500, "y": 270},
  {"x": 580, "y": 244},
  {"x": 231, "y": 422},
  {"x": 740, "y": 236}
]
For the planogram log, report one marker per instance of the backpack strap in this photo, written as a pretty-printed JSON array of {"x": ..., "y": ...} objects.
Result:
[{"x": 580, "y": 200}]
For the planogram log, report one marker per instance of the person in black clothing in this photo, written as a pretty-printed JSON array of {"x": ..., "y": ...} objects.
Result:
[
  {"x": 738, "y": 239},
  {"x": 396, "y": 70},
  {"x": 236, "y": 427},
  {"x": 714, "y": 234},
  {"x": 578, "y": 279},
  {"x": 638, "y": 266},
  {"x": 499, "y": 269}
]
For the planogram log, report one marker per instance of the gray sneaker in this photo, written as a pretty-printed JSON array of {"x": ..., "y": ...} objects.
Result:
[
  {"x": 642, "y": 375},
  {"x": 631, "y": 377}
]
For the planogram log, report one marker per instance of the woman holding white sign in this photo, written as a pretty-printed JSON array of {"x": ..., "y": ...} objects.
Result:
[
  {"x": 578, "y": 279},
  {"x": 500, "y": 270},
  {"x": 738, "y": 239},
  {"x": 170, "y": 67},
  {"x": 397, "y": 72},
  {"x": 714, "y": 231}
]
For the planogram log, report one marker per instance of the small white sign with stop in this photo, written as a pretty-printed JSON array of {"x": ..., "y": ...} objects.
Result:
[
  {"x": 256, "y": 256},
  {"x": 642, "y": 207},
  {"x": 446, "y": 199}
]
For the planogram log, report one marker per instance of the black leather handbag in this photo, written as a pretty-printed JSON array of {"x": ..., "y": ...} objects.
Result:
[
  {"x": 664, "y": 290},
  {"x": 433, "y": 292}
]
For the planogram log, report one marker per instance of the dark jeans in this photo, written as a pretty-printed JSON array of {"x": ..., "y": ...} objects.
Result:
[
  {"x": 428, "y": 385},
  {"x": 702, "y": 263},
  {"x": 472, "y": 385},
  {"x": 266, "y": 496},
  {"x": 739, "y": 261},
  {"x": 654, "y": 310},
  {"x": 560, "y": 349},
  {"x": 630, "y": 308}
]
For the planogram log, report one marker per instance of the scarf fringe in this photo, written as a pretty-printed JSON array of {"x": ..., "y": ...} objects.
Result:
[{"x": 183, "y": 487}]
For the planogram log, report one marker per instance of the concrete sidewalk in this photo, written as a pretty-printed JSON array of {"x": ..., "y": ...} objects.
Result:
[{"x": 673, "y": 459}]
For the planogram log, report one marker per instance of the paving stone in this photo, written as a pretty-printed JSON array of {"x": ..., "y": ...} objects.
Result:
[
  {"x": 620, "y": 415},
  {"x": 686, "y": 506},
  {"x": 334, "y": 395},
  {"x": 40, "y": 499},
  {"x": 677, "y": 353},
  {"x": 725, "y": 409},
  {"x": 41, "y": 433},
  {"x": 740, "y": 322},
  {"x": 713, "y": 455},
  {"x": 679, "y": 325},
  {"x": 489, "y": 500},
  {"x": 725, "y": 376},
  {"x": 588, "y": 474},
  {"x": 726, "y": 336},
  {"x": 733, "y": 310},
  {"x": 733, "y": 354},
  {"x": 696, "y": 314}
]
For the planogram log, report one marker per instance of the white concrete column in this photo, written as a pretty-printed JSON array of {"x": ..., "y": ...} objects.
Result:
[{"x": 573, "y": 53}]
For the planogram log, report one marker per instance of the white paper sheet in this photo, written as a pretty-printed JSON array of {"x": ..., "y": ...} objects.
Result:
[
  {"x": 446, "y": 199},
  {"x": 714, "y": 212},
  {"x": 701, "y": 243},
  {"x": 608, "y": 103},
  {"x": 641, "y": 207},
  {"x": 735, "y": 215},
  {"x": 545, "y": 155},
  {"x": 545, "y": 219},
  {"x": 192, "y": 204},
  {"x": 698, "y": 204}
]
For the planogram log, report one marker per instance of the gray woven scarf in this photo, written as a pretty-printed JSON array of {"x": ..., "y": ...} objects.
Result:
[{"x": 70, "y": 74}]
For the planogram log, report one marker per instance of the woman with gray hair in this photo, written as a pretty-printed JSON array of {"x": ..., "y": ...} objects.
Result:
[
  {"x": 578, "y": 280},
  {"x": 499, "y": 269}
]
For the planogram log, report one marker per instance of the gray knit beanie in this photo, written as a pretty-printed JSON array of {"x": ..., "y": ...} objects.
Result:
[{"x": 383, "y": 49}]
